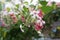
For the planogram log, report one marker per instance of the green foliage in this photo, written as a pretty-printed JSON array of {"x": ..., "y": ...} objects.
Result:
[
  {"x": 17, "y": 6},
  {"x": 0, "y": 6},
  {"x": 45, "y": 9},
  {"x": 17, "y": 34},
  {"x": 52, "y": 16}
]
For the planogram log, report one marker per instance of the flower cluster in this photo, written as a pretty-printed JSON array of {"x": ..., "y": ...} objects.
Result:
[
  {"x": 26, "y": 17},
  {"x": 39, "y": 22}
]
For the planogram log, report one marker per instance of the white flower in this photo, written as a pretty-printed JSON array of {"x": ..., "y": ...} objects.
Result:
[
  {"x": 28, "y": 25},
  {"x": 37, "y": 11},
  {"x": 9, "y": 5},
  {"x": 34, "y": 2},
  {"x": 34, "y": 16},
  {"x": 21, "y": 28},
  {"x": 16, "y": 1},
  {"x": 39, "y": 17},
  {"x": 39, "y": 32},
  {"x": 5, "y": 12},
  {"x": 33, "y": 13},
  {"x": 43, "y": 22},
  {"x": 27, "y": 1},
  {"x": 11, "y": 12}
]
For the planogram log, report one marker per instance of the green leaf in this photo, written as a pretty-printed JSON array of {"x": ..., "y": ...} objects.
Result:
[
  {"x": 46, "y": 9},
  {"x": 17, "y": 5},
  {"x": 8, "y": 9},
  {"x": 26, "y": 3},
  {"x": 0, "y": 6},
  {"x": 43, "y": 3}
]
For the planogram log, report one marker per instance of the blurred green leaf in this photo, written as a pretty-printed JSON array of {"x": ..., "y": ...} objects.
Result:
[
  {"x": 8, "y": 9},
  {"x": 46, "y": 9},
  {"x": 43, "y": 3},
  {"x": 17, "y": 5},
  {"x": 26, "y": 3},
  {"x": 0, "y": 6}
]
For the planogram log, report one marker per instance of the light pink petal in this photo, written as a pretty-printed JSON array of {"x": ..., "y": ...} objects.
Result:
[
  {"x": 58, "y": 3},
  {"x": 49, "y": 3}
]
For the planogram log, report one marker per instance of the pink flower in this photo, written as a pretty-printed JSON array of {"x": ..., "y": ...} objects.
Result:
[
  {"x": 58, "y": 3},
  {"x": 2, "y": 23},
  {"x": 14, "y": 18},
  {"x": 12, "y": 14},
  {"x": 40, "y": 14},
  {"x": 49, "y": 3},
  {"x": 23, "y": 19},
  {"x": 38, "y": 27}
]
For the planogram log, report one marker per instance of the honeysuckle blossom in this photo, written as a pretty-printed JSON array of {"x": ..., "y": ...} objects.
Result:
[
  {"x": 16, "y": 1},
  {"x": 33, "y": 13},
  {"x": 14, "y": 18},
  {"x": 58, "y": 4},
  {"x": 38, "y": 27},
  {"x": 34, "y": 2},
  {"x": 49, "y": 3},
  {"x": 23, "y": 18},
  {"x": 39, "y": 22},
  {"x": 40, "y": 14}
]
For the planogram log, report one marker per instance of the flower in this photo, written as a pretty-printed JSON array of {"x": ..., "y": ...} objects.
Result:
[
  {"x": 23, "y": 18},
  {"x": 49, "y": 3},
  {"x": 33, "y": 13},
  {"x": 40, "y": 14},
  {"x": 38, "y": 27},
  {"x": 12, "y": 14},
  {"x": 39, "y": 22},
  {"x": 14, "y": 18},
  {"x": 58, "y": 4}
]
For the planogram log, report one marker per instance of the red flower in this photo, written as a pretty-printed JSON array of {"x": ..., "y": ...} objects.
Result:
[
  {"x": 3, "y": 23},
  {"x": 23, "y": 19},
  {"x": 38, "y": 27},
  {"x": 40, "y": 14},
  {"x": 13, "y": 17},
  {"x": 12, "y": 14}
]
